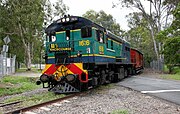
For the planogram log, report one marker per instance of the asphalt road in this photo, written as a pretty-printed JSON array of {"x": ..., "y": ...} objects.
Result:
[{"x": 166, "y": 89}]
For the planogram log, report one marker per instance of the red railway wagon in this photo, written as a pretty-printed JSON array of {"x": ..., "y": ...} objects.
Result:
[{"x": 136, "y": 60}]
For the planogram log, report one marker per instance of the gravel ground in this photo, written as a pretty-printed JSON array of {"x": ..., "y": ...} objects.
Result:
[{"x": 108, "y": 100}]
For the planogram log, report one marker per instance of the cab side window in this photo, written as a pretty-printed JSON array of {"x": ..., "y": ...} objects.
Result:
[
  {"x": 100, "y": 36},
  {"x": 68, "y": 34},
  {"x": 86, "y": 32},
  {"x": 112, "y": 45}
]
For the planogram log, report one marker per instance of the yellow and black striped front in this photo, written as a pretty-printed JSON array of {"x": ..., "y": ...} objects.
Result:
[{"x": 64, "y": 70}]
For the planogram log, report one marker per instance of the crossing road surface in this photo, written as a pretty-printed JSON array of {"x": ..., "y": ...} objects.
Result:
[{"x": 165, "y": 89}]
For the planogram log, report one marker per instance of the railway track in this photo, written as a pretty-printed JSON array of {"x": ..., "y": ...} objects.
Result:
[
  {"x": 12, "y": 103},
  {"x": 21, "y": 110}
]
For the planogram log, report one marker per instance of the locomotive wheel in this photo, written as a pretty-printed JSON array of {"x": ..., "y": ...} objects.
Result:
[
  {"x": 130, "y": 71},
  {"x": 121, "y": 73},
  {"x": 133, "y": 71},
  {"x": 103, "y": 77},
  {"x": 125, "y": 73},
  {"x": 83, "y": 86},
  {"x": 111, "y": 76}
]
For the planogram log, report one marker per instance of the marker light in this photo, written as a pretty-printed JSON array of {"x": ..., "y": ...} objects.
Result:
[
  {"x": 79, "y": 54},
  {"x": 63, "y": 20},
  {"x": 67, "y": 19}
]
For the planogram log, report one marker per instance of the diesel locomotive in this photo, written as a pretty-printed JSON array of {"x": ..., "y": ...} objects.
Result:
[{"x": 81, "y": 54}]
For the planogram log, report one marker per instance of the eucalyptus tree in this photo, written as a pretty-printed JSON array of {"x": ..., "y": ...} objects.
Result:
[
  {"x": 106, "y": 20},
  {"x": 171, "y": 39},
  {"x": 139, "y": 36},
  {"x": 157, "y": 16},
  {"x": 54, "y": 10},
  {"x": 23, "y": 22}
]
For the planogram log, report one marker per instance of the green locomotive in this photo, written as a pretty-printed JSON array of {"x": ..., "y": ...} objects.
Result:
[{"x": 81, "y": 54}]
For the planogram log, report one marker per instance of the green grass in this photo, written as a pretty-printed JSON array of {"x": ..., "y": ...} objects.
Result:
[
  {"x": 16, "y": 84},
  {"x": 175, "y": 70},
  {"x": 107, "y": 86},
  {"x": 175, "y": 73},
  {"x": 119, "y": 112},
  {"x": 171, "y": 76},
  {"x": 35, "y": 99}
]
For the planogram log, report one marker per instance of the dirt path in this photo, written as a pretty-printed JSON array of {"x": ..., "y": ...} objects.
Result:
[
  {"x": 152, "y": 74},
  {"x": 28, "y": 74}
]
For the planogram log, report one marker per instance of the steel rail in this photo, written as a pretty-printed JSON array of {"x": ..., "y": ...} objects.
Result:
[{"x": 12, "y": 103}]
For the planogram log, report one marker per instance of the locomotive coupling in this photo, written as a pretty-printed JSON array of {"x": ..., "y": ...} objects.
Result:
[{"x": 38, "y": 82}]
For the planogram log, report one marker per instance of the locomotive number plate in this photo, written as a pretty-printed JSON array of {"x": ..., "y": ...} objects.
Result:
[{"x": 84, "y": 43}]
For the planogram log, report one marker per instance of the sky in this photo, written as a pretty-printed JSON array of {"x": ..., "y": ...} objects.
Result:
[{"x": 79, "y": 7}]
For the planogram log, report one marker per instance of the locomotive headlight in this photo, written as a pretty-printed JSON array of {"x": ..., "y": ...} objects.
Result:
[
  {"x": 63, "y": 20},
  {"x": 53, "y": 38},
  {"x": 71, "y": 77},
  {"x": 67, "y": 19},
  {"x": 44, "y": 78}
]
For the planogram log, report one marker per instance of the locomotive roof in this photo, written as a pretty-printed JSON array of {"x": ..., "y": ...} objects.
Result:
[
  {"x": 114, "y": 37},
  {"x": 71, "y": 22},
  {"x": 75, "y": 22}
]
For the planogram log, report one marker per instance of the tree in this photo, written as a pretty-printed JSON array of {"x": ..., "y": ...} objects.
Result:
[
  {"x": 23, "y": 21},
  {"x": 106, "y": 20},
  {"x": 156, "y": 17},
  {"x": 139, "y": 36},
  {"x": 54, "y": 10},
  {"x": 171, "y": 39}
]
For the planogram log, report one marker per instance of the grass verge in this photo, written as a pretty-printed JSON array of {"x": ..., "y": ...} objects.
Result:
[
  {"x": 171, "y": 76},
  {"x": 35, "y": 99},
  {"x": 175, "y": 73},
  {"x": 101, "y": 89},
  {"x": 15, "y": 84}
]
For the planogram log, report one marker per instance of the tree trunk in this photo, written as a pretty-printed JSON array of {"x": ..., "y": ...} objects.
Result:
[
  {"x": 28, "y": 56},
  {"x": 170, "y": 67},
  {"x": 154, "y": 42},
  {"x": 27, "y": 48}
]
